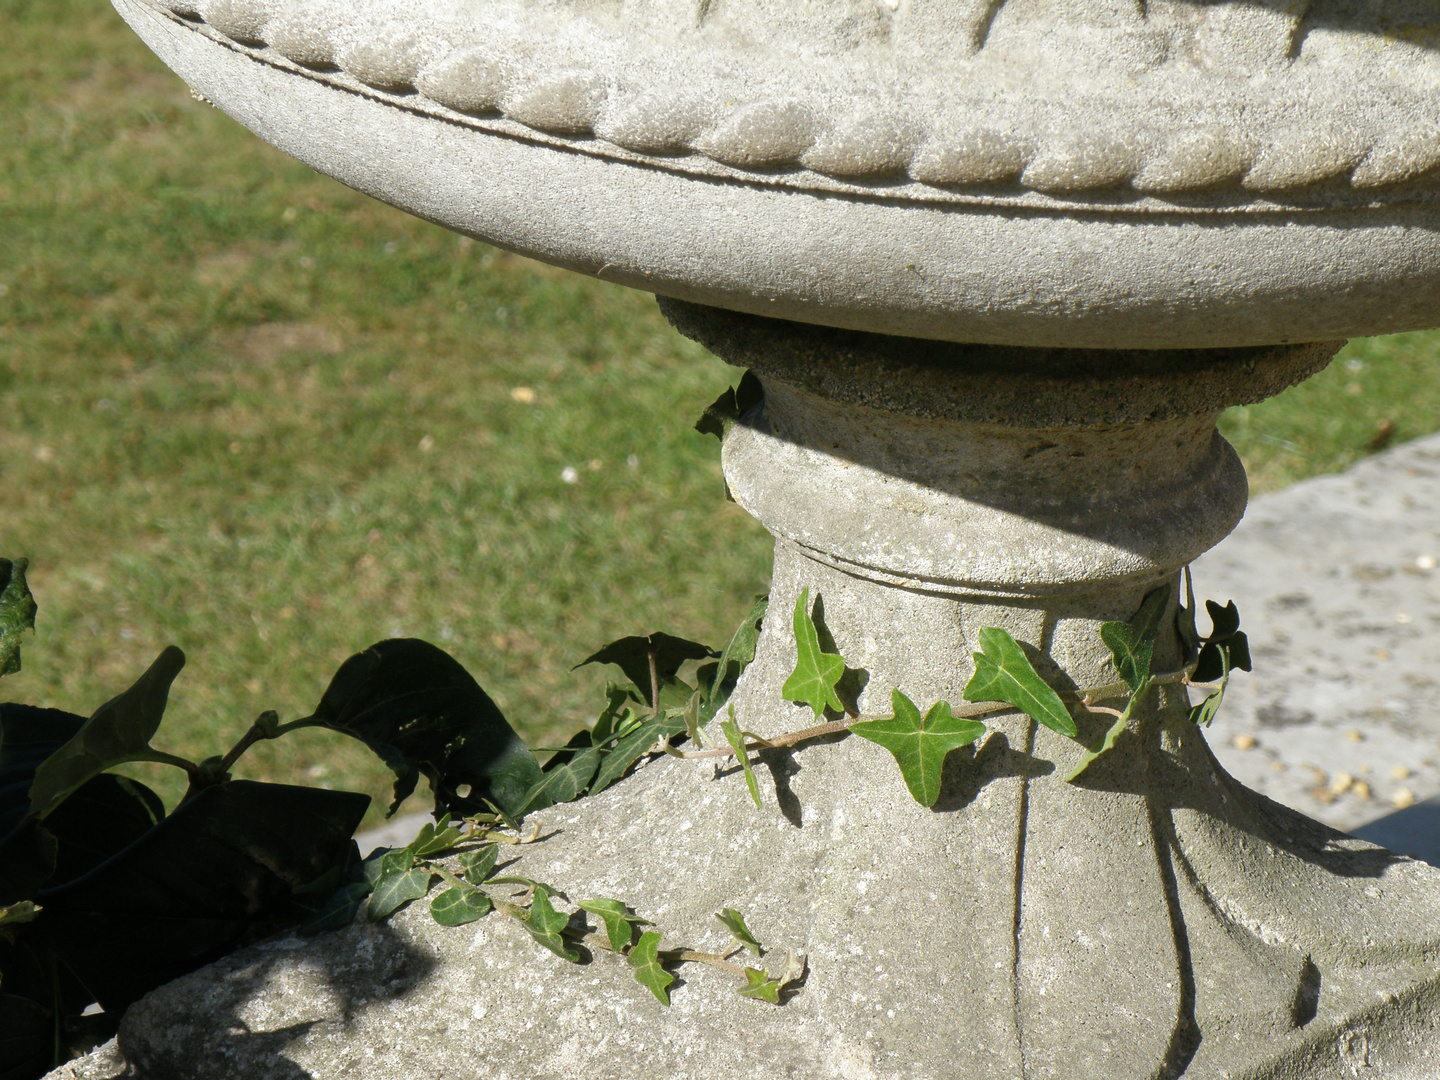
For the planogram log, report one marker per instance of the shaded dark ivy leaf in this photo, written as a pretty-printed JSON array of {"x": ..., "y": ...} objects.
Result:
[
  {"x": 920, "y": 744},
  {"x": 422, "y": 713},
  {"x": 338, "y": 909},
  {"x": 221, "y": 871},
  {"x": 632, "y": 656},
  {"x": 27, "y": 1038},
  {"x": 734, "y": 403},
  {"x": 817, "y": 672},
  {"x": 1225, "y": 633},
  {"x": 119, "y": 731},
  {"x": 1004, "y": 673},
  {"x": 1132, "y": 644},
  {"x": 459, "y": 905},
  {"x": 17, "y": 612},
  {"x": 644, "y": 961}
]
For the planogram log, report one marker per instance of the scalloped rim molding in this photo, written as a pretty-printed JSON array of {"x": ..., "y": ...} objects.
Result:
[{"x": 1201, "y": 146}]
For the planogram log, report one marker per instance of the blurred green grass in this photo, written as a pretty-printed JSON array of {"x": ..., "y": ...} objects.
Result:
[{"x": 258, "y": 415}]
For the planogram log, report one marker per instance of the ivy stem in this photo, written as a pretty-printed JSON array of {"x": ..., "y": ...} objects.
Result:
[
  {"x": 710, "y": 958},
  {"x": 161, "y": 757},
  {"x": 654, "y": 684}
]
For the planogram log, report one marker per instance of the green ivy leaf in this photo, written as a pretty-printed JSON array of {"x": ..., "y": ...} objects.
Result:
[
  {"x": 546, "y": 925},
  {"x": 733, "y": 921},
  {"x": 1106, "y": 745},
  {"x": 816, "y": 673},
  {"x": 1132, "y": 644},
  {"x": 565, "y": 777},
  {"x": 760, "y": 986},
  {"x": 17, "y": 612},
  {"x": 384, "y": 862},
  {"x": 459, "y": 905},
  {"x": 634, "y": 746},
  {"x": 478, "y": 865},
  {"x": 432, "y": 839},
  {"x": 119, "y": 731},
  {"x": 618, "y": 919},
  {"x": 393, "y": 891},
  {"x": 644, "y": 961},
  {"x": 1004, "y": 673},
  {"x": 731, "y": 729},
  {"x": 1203, "y": 713},
  {"x": 22, "y": 912},
  {"x": 738, "y": 653},
  {"x": 920, "y": 745}
]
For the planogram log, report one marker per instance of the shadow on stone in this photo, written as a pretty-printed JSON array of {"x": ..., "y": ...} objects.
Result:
[
  {"x": 966, "y": 772},
  {"x": 330, "y": 974}
]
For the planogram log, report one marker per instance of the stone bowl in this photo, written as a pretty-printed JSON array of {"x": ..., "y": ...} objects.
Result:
[{"x": 1130, "y": 174}]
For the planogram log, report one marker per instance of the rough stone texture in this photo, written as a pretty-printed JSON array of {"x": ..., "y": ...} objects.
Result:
[
  {"x": 1121, "y": 196},
  {"x": 1157, "y": 919}
]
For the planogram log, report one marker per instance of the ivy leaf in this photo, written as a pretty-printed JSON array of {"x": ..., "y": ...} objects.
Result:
[
  {"x": 645, "y": 963},
  {"x": 734, "y": 403},
  {"x": 393, "y": 891},
  {"x": 422, "y": 714},
  {"x": 1132, "y": 644},
  {"x": 118, "y": 732},
  {"x": 338, "y": 910},
  {"x": 633, "y": 747},
  {"x": 21, "y": 912},
  {"x": 546, "y": 925},
  {"x": 17, "y": 612},
  {"x": 459, "y": 905},
  {"x": 1205, "y": 711},
  {"x": 432, "y": 839},
  {"x": 1225, "y": 633},
  {"x": 760, "y": 986},
  {"x": 733, "y": 921},
  {"x": 731, "y": 729},
  {"x": 384, "y": 862},
  {"x": 1004, "y": 673},
  {"x": 816, "y": 673},
  {"x": 920, "y": 745},
  {"x": 739, "y": 651},
  {"x": 565, "y": 776},
  {"x": 632, "y": 656},
  {"x": 618, "y": 919},
  {"x": 476, "y": 866},
  {"x": 1106, "y": 744}
]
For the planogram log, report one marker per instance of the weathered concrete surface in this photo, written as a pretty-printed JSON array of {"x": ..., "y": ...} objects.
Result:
[{"x": 1156, "y": 919}]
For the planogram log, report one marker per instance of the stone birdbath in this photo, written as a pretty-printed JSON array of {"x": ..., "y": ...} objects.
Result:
[{"x": 998, "y": 265}]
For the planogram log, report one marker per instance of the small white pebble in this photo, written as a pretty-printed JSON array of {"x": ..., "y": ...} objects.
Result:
[
  {"x": 524, "y": 395},
  {"x": 1403, "y": 797},
  {"x": 1244, "y": 742},
  {"x": 1355, "y": 736},
  {"x": 1401, "y": 772},
  {"x": 1427, "y": 562},
  {"x": 570, "y": 475}
]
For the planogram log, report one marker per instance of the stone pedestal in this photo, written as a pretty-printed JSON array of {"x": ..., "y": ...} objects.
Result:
[{"x": 1155, "y": 919}]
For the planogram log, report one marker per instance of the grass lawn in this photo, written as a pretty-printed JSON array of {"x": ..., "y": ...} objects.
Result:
[{"x": 255, "y": 414}]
